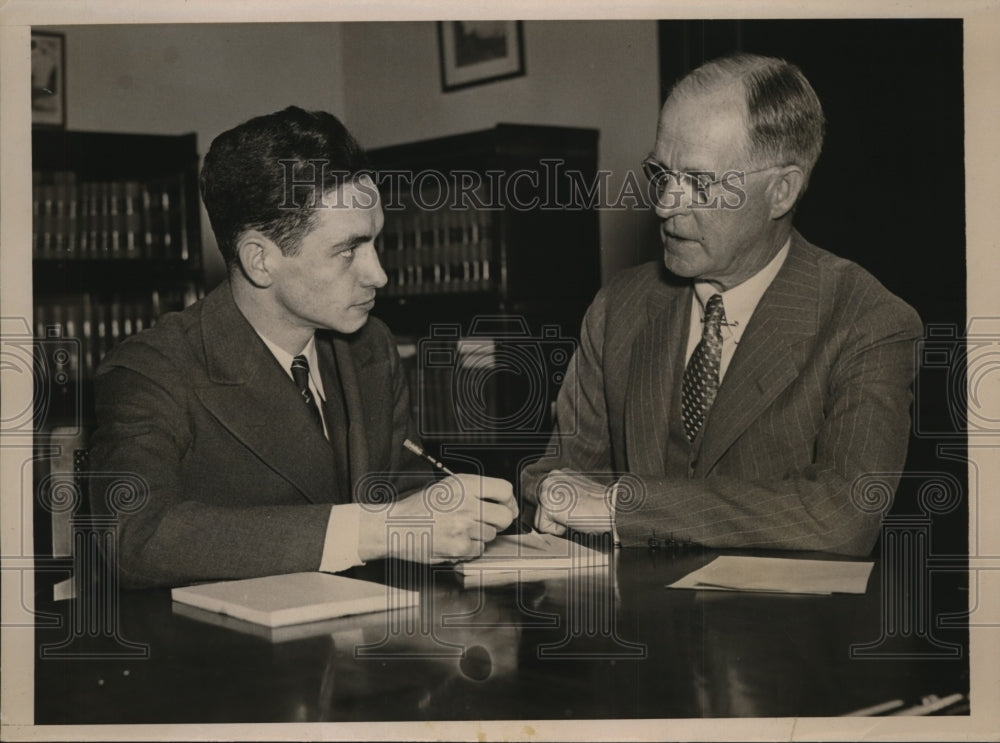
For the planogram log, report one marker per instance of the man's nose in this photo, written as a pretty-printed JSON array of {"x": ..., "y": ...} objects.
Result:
[
  {"x": 371, "y": 269},
  {"x": 672, "y": 200}
]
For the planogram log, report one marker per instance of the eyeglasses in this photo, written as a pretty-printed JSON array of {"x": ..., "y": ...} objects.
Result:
[{"x": 697, "y": 182}]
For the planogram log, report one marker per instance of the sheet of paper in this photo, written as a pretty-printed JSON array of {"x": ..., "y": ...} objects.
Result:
[{"x": 778, "y": 575}]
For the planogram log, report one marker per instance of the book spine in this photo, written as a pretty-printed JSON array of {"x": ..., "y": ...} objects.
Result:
[
  {"x": 59, "y": 221},
  {"x": 72, "y": 217},
  {"x": 74, "y": 340},
  {"x": 146, "y": 201},
  {"x": 116, "y": 219},
  {"x": 87, "y": 332},
  {"x": 104, "y": 207},
  {"x": 132, "y": 219},
  {"x": 46, "y": 236},
  {"x": 184, "y": 251},
  {"x": 165, "y": 224},
  {"x": 94, "y": 220},
  {"x": 36, "y": 212},
  {"x": 485, "y": 246}
]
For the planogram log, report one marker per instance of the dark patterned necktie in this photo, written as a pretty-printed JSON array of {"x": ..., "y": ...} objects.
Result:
[
  {"x": 701, "y": 377},
  {"x": 300, "y": 373}
]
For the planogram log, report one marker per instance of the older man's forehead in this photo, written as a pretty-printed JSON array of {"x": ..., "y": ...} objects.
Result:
[
  {"x": 675, "y": 146},
  {"x": 696, "y": 128}
]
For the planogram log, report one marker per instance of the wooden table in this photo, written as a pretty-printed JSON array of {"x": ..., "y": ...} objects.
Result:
[{"x": 613, "y": 643}]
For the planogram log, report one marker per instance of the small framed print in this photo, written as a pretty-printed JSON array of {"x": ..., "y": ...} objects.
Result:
[
  {"x": 477, "y": 52},
  {"x": 48, "y": 79}
]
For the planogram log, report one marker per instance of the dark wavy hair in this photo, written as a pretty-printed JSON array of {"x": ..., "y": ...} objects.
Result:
[{"x": 269, "y": 174}]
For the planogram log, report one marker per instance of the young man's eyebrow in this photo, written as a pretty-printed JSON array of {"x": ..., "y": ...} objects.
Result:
[{"x": 355, "y": 239}]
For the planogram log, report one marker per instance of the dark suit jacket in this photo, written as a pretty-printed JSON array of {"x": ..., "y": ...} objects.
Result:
[
  {"x": 240, "y": 480},
  {"x": 817, "y": 395}
]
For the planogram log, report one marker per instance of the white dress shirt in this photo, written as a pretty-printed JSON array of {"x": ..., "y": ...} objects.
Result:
[
  {"x": 739, "y": 304},
  {"x": 340, "y": 549}
]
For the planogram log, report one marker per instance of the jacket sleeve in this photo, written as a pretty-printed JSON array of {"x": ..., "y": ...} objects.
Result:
[
  {"x": 581, "y": 438},
  {"x": 167, "y": 536}
]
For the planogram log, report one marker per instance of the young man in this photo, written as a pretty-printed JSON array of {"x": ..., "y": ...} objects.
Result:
[{"x": 268, "y": 419}]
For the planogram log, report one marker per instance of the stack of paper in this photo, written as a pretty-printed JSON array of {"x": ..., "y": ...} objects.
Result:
[
  {"x": 780, "y": 575},
  {"x": 527, "y": 556},
  {"x": 280, "y": 600}
]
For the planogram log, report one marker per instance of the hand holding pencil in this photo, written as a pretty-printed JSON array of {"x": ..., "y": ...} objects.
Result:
[{"x": 464, "y": 512}]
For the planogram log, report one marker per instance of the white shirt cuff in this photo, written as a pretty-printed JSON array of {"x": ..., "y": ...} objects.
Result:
[
  {"x": 340, "y": 549},
  {"x": 614, "y": 506}
]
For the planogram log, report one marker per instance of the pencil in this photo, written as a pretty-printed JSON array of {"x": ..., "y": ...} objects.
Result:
[{"x": 421, "y": 453}]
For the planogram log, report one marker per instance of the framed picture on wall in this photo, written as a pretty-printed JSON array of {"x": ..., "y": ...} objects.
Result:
[
  {"x": 48, "y": 79},
  {"x": 477, "y": 52}
]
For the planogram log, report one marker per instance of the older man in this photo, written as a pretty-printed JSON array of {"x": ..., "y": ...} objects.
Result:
[
  {"x": 734, "y": 394},
  {"x": 265, "y": 417}
]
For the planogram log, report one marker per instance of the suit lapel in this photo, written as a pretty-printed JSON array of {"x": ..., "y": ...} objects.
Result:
[
  {"x": 252, "y": 396},
  {"x": 768, "y": 357},
  {"x": 651, "y": 376},
  {"x": 339, "y": 351}
]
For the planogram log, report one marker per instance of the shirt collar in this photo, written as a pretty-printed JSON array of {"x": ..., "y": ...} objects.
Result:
[
  {"x": 285, "y": 359},
  {"x": 740, "y": 301}
]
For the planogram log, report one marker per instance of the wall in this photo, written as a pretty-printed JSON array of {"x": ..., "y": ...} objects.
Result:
[
  {"x": 602, "y": 75},
  {"x": 384, "y": 81},
  {"x": 201, "y": 78}
]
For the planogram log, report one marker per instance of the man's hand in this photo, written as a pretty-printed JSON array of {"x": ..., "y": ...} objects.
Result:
[
  {"x": 458, "y": 514},
  {"x": 570, "y": 500}
]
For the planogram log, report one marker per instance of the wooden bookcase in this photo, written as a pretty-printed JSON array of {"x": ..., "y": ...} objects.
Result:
[
  {"x": 116, "y": 242},
  {"x": 491, "y": 246}
]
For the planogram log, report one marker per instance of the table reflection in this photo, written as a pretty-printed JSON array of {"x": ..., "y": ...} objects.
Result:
[{"x": 611, "y": 642}]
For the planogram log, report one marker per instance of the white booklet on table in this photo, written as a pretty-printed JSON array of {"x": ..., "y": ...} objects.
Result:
[
  {"x": 533, "y": 551},
  {"x": 294, "y": 598}
]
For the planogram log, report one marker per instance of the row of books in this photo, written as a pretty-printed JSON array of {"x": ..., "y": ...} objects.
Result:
[
  {"x": 437, "y": 252},
  {"x": 75, "y": 331},
  {"x": 108, "y": 219}
]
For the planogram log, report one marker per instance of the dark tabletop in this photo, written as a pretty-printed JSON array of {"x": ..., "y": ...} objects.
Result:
[{"x": 602, "y": 643}]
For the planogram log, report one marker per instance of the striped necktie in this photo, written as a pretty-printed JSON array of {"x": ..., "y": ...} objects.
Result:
[{"x": 300, "y": 373}]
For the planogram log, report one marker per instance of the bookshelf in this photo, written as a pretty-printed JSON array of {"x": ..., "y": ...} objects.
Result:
[
  {"x": 491, "y": 248},
  {"x": 115, "y": 243}
]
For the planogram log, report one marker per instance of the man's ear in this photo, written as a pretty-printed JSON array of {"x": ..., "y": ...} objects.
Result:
[
  {"x": 784, "y": 190},
  {"x": 255, "y": 254}
]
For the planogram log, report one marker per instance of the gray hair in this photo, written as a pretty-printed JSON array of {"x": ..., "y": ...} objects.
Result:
[{"x": 785, "y": 121}]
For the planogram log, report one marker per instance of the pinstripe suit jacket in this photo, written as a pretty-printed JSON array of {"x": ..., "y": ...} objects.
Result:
[{"x": 817, "y": 395}]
